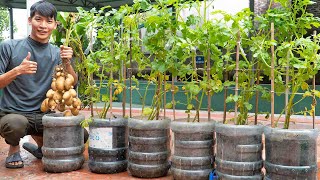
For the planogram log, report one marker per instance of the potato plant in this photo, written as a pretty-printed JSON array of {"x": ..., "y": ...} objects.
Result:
[
  {"x": 62, "y": 96},
  {"x": 296, "y": 52}
]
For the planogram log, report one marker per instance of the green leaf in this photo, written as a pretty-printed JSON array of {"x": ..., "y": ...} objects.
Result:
[
  {"x": 189, "y": 106},
  {"x": 248, "y": 105},
  {"x": 147, "y": 111}
]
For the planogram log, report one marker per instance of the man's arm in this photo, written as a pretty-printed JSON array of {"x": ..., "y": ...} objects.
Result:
[
  {"x": 26, "y": 67},
  {"x": 66, "y": 54}
]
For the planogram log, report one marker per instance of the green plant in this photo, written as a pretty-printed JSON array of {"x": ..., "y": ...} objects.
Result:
[
  {"x": 235, "y": 59},
  {"x": 4, "y": 22},
  {"x": 296, "y": 52},
  {"x": 157, "y": 21}
]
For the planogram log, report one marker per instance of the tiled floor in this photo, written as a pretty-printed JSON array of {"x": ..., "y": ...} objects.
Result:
[{"x": 33, "y": 169}]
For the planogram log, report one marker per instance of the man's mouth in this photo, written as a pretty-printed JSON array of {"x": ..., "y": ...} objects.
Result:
[{"x": 42, "y": 32}]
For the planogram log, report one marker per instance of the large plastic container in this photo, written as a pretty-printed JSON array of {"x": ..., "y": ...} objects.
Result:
[
  {"x": 63, "y": 144},
  {"x": 148, "y": 148},
  {"x": 291, "y": 154},
  {"x": 239, "y": 151},
  {"x": 193, "y": 149},
  {"x": 107, "y": 145}
]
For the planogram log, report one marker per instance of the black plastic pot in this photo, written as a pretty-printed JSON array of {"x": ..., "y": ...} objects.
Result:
[
  {"x": 63, "y": 145},
  {"x": 148, "y": 148},
  {"x": 239, "y": 151},
  {"x": 291, "y": 154},
  {"x": 107, "y": 145},
  {"x": 193, "y": 149}
]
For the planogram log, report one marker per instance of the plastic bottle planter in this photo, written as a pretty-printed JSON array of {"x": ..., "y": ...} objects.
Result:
[
  {"x": 63, "y": 143},
  {"x": 239, "y": 151},
  {"x": 291, "y": 154},
  {"x": 193, "y": 149},
  {"x": 148, "y": 148},
  {"x": 107, "y": 145}
]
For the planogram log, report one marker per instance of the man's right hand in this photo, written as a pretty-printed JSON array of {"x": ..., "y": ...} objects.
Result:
[{"x": 27, "y": 66}]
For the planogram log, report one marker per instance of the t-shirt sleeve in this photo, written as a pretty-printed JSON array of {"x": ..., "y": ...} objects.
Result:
[{"x": 5, "y": 56}]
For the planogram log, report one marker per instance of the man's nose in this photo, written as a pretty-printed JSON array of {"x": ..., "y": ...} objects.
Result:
[{"x": 43, "y": 24}]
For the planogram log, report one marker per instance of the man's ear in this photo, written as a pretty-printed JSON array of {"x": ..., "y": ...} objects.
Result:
[
  {"x": 29, "y": 20},
  {"x": 55, "y": 27}
]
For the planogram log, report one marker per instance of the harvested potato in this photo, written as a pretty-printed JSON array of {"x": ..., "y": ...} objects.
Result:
[
  {"x": 53, "y": 86},
  {"x": 60, "y": 83},
  {"x": 61, "y": 107},
  {"x": 77, "y": 103},
  {"x": 73, "y": 92},
  {"x": 69, "y": 101},
  {"x": 50, "y": 93},
  {"x": 66, "y": 95},
  {"x": 67, "y": 113},
  {"x": 44, "y": 105},
  {"x": 74, "y": 111}
]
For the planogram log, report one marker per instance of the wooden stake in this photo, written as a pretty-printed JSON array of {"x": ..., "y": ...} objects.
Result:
[
  {"x": 164, "y": 95},
  {"x": 124, "y": 90},
  {"x": 194, "y": 62},
  {"x": 111, "y": 76},
  {"x": 272, "y": 76},
  {"x": 173, "y": 101},
  {"x": 257, "y": 95},
  {"x": 287, "y": 85},
  {"x": 130, "y": 74},
  {"x": 237, "y": 76},
  {"x": 225, "y": 97},
  {"x": 314, "y": 102},
  {"x": 209, "y": 91},
  {"x": 110, "y": 92}
]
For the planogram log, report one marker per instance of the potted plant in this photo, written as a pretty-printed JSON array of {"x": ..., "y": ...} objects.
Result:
[
  {"x": 63, "y": 136},
  {"x": 295, "y": 62},
  {"x": 107, "y": 131},
  {"x": 239, "y": 139},
  {"x": 148, "y": 133},
  {"x": 193, "y": 141}
]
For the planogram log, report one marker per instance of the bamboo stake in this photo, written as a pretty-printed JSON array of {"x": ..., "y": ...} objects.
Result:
[
  {"x": 111, "y": 76},
  {"x": 130, "y": 41},
  {"x": 194, "y": 62},
  {"x": 91, "y": 95},
  {"x": 257, "y": 96},
  {"x": 164, "y": 95},
  {"x": 158, "y": 95},
  {"x": 123, "y": 79},
  {"x": 124, "y": 90},
  {"x": 110, "y": 92},
  {"x": 287, "y": 85},
  {"x": 209, "y": 91},
  {"x": 225, "y": 97},
  {"x": 173, "y": 101},
  {"x": 314, "y": 102},
  {"x": 237, "y": 75},
  {"x": 272, "y": 76}
]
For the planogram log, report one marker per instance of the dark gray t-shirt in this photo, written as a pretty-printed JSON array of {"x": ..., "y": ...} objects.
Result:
[{"x": 26, "y": 93}]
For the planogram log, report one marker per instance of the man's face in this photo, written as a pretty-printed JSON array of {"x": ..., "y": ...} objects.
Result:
[{"x": 41, "y": 27}]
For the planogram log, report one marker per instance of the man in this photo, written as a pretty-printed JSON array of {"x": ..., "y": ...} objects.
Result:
[{"x": 26, "y": 68}]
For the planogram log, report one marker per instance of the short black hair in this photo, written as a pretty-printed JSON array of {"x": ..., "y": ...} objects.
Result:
[{"x": 44, "y": 8}]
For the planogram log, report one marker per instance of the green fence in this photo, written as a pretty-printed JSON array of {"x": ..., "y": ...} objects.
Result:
[{"x": 217, "y": 100}]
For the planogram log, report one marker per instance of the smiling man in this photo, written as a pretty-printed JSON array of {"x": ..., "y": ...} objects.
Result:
[{"x": 26, "y": 68}]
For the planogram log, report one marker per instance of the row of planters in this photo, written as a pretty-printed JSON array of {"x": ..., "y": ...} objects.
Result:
[{"x": 238, "y": 53}]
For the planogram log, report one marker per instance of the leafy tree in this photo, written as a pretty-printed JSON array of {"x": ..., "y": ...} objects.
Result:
[{"x": 4, "y": 21}]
